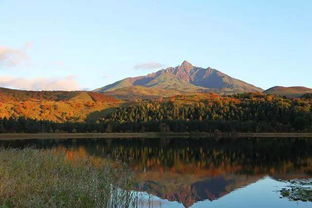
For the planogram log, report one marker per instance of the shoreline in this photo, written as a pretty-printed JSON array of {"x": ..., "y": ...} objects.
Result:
[{"x": 23, "y": 136}]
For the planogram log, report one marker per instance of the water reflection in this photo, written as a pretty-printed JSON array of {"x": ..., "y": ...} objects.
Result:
[{"x": 193, "y": 170}]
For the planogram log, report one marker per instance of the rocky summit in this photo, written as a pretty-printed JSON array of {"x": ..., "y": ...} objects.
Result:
[{"x": 184, "y": 78}]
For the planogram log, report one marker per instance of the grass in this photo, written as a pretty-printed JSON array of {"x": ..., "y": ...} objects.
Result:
[
  {"x": 298, "y": 190},
  {"x": 44, "y": 178}
]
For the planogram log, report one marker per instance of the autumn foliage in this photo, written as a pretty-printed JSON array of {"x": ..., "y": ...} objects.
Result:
[{"x": 57, "y": 106}]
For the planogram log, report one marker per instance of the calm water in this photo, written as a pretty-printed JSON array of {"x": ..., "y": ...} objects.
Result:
[{"x": 201, "y": 172}]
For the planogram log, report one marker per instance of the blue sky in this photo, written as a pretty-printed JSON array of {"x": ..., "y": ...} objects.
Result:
[{"x": 85, "y": 44}]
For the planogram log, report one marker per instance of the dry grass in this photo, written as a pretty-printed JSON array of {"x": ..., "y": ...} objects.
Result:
[{"x": 43, "y": 178}]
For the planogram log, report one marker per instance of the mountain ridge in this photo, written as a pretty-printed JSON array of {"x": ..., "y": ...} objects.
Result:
[
  {"x": 187, "y": 78},
  {"x": 292, "y": 92}
]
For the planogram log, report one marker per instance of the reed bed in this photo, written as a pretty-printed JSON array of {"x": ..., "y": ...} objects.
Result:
[{"x": 45, "y": 178}]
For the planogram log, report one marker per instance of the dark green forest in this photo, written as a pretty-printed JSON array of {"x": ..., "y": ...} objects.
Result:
[{"x": 237, "y": 113}]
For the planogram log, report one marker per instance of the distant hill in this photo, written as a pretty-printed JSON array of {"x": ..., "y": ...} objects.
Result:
[
  {"x": 56, "y": 106},
  {"x": 25, "y": 95},
  {"x": 291, "y": 92},
  {"x": 183, "y": 78}
]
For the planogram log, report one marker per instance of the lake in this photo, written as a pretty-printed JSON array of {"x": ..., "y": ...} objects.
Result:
[{"x": 220, "y": 172}]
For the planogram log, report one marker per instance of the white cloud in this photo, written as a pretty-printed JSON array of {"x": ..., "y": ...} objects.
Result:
[
  {"x": 40, "y": 83},
  {"x": 10, "y": 57},
  {"x": 28, "y": 45},
  {"x": 148, "y": 65}
]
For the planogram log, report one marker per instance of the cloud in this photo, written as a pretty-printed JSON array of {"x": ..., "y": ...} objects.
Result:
[
  {"x": 148, "y": 65},
  {"x": 10, "y": 57},
  {"x": 28, "y": 45},
  {"x": 40, "y": 83}
]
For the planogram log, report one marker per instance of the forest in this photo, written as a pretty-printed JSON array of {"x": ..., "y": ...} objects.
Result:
[{"x": 249, "y": 112}]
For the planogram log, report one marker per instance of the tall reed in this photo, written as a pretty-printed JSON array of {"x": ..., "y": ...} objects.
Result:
[{"x": 44, "y": 178}]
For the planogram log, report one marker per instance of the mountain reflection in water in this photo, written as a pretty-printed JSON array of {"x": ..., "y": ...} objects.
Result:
[{"x": 192, "y": 170}]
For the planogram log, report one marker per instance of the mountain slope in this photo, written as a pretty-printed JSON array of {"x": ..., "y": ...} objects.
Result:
[
  {"x": 139, "y": 92},
  {"x": 185, "y": 78},
  {"x": 58, "y": 106},
  {"x": 291, "y": 92}
]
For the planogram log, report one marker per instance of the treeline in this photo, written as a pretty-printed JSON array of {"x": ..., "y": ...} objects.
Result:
[
  {"x": 22, "y": 125},
  {"x": 245, "y": 111},
  {"x": 238, "y": 113}
]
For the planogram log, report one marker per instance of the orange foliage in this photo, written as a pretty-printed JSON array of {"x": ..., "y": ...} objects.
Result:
[{"x": 53, "y": 106}]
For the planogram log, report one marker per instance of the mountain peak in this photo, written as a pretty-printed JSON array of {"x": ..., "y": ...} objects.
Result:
[
  {"x": 185, "y": 78},
  {"x": 186, "y": 66}
]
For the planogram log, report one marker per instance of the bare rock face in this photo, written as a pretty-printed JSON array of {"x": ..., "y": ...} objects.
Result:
[{"x": 184, "y": 71}]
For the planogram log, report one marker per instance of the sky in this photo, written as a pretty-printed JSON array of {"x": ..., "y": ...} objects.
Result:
[{"x": 87, "y": 44}]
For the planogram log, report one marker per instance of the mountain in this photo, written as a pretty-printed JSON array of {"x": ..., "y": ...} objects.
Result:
[
  {"x": 291, "y": 92},
  {"x": 139, "y": 92},
  {"x": 58, "y": 106},
  {"x": 183, "y": 78}
]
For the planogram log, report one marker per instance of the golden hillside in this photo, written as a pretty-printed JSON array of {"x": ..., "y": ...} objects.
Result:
[{"x": 58, "y": 106}]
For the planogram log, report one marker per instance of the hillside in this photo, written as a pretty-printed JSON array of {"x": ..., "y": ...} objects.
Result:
[
  {"x": 137, "y": 93},
  {"x": 58, "y": 106},
  {"x": 184, "y": 78},
  {"x": 252, "y": 112},
  {"x": 291, "y": 92}
]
